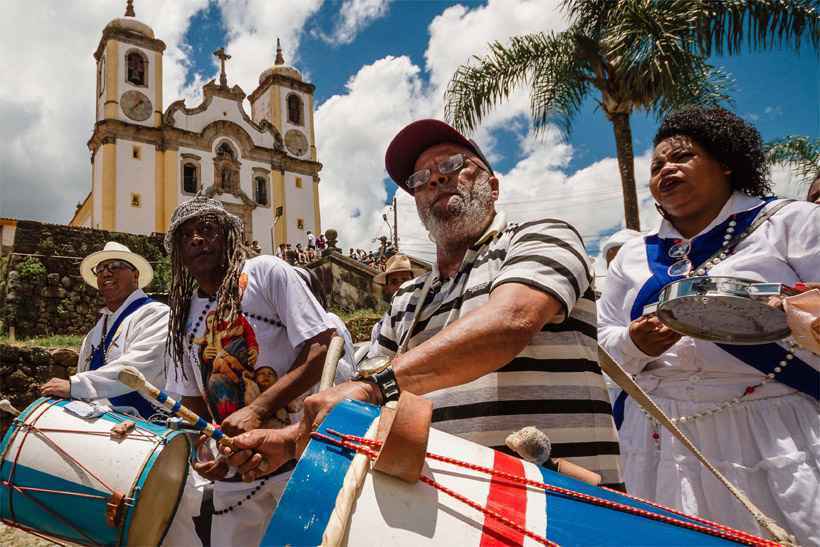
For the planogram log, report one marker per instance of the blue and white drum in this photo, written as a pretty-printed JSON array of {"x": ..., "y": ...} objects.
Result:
[
  {"x": 70, "y": 478},
  {"x": 387, "y": 511}
]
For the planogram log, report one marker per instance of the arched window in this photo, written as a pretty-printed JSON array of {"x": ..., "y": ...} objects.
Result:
[
  {"x": 225, "y": 151},
  {"x": 136, "y": 68},
  {"x": 260, "y": 190},
  {"x": 190, "y": 178},
  {"x": 295, "y": 110}
]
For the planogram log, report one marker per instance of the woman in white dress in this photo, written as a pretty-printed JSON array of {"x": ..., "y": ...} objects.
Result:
[{"x": 753, "y": 412}]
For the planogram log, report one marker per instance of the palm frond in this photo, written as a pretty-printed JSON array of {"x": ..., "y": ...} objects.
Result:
[
  {"x": 561, "y": 83},
  {"x": 723, "y": 24},
  {"x": 801, "y": 153},
  {"x": 477, "y": 88},
  {"x": 591, "y": 17}
]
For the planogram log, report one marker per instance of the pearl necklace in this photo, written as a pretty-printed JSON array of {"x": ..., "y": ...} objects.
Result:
[{"x": 728, "y": 250}]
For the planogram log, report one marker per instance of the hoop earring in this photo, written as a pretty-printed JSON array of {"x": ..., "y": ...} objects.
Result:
[{"x": 661, "y": 211}]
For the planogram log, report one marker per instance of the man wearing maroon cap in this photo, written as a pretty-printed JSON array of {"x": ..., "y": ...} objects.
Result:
[{"x": 500, "y": 335}]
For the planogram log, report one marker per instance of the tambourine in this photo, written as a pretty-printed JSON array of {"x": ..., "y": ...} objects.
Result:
[{"x": 728, "y": 310}]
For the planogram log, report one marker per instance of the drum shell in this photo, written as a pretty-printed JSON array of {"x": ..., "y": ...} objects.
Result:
[
  {"x": 391, "y": 512},
  {"x": 149, "y": 466}
]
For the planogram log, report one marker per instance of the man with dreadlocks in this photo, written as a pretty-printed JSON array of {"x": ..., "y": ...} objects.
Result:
[{"x": 233, "y": 312}]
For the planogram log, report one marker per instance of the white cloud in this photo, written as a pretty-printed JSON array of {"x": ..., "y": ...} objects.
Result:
[
  {"x": 355, "y": 15},
  {"x": 47, "y": 96},
  {"x": 253, "y": 27}
]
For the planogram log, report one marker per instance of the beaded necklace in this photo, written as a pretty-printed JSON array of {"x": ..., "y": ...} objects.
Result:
[{"x": 728, "y": 247}]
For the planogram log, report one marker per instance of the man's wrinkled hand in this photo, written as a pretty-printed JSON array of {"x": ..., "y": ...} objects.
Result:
[
  {"x": 56, "y": 387},
  {"x": 261, "y": 451},
  {"x": 243, "y": 420},
  {"x": 215, "y": 469},
  {"x": 651, "y": 336}
]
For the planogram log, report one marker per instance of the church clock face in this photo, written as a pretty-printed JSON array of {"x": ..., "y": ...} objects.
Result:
[
  {"x": 136, "y": 105},
  {"x": 296, "y": 142}
]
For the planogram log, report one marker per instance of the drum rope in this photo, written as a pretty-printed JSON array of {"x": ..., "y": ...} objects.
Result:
[
  {"x": 133, "y": 435},
  {"x": 714, "y": 529},
  {"x": 706, "y": 522},
  {"x": 354, "y": 479}
]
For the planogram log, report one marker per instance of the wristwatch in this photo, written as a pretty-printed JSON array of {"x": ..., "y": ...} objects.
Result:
[{"x": 379, "y": 370}]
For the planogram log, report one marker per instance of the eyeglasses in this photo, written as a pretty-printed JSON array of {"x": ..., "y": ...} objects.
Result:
[
  {"x": 450, "y": 165},
  {"x": 111, "y": 266},
  {"x": 684, "y": 265}
]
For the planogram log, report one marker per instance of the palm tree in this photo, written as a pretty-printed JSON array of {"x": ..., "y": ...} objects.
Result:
[
  {"x": 637, "y": 54},
  {"x": 801, "y": 153}
]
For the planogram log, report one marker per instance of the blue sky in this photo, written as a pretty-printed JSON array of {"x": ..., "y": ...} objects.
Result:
[
  {"x": 376, "y": 64},
  {"x": 777, "y": 90}
]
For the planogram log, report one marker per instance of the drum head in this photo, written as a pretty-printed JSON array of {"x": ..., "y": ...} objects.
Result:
[
  {"x": 160, "y": 493},
  {"x": 724, "y": 318}
]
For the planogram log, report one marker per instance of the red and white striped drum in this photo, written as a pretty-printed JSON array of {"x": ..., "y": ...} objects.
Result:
[{"x": 468, "y": 495}]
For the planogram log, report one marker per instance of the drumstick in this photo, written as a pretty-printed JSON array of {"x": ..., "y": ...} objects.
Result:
[
  {"x": 334, "y": 353},
  {"x": 136, "y": 381},
  {"x": 6, "y": 406}
]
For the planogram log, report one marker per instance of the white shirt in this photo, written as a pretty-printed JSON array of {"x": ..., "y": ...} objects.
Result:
[
  {"x": 139, "y": 342},
  {"x": 785, "y": 249},
  {"x": 279, "y": 315}
]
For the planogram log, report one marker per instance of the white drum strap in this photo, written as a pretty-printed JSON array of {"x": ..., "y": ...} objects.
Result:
[
  {"x": 337, "y": 524},
  {"x": 625, "y": 381}
]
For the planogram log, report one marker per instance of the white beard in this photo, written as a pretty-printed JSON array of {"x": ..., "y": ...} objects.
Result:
[{"x": 466, "y": 215}]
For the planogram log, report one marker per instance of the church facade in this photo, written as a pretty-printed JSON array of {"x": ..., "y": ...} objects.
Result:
[{"x": 146, "y": 160}]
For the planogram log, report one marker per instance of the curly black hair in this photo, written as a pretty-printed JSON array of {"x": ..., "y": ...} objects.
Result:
[{"x": 729, "y": 139}]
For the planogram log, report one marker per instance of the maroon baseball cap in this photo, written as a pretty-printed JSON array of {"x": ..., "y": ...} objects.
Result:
[{"x": 414, "y": 139}]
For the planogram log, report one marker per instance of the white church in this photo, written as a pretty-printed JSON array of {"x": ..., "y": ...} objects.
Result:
[{"x": 145, "y": 160}]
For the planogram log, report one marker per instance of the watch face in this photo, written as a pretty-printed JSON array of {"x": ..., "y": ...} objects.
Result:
[
  {"x": 296, "y": 142},
  {"x": 136, "y": 105},
  {"x": 371, "y": 366}
]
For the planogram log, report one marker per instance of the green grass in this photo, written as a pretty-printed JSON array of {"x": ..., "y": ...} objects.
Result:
[
  {"x": 357, "y": 314},
  {"x": 56, "y": 341}
]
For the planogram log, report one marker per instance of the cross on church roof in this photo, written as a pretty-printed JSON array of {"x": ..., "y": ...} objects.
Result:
[
  {"x": 280, "y": 60},
  {"x": 222, "y": 56},
  {"x": 129, "y": 9}
]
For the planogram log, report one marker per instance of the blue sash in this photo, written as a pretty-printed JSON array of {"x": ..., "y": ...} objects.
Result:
[
  {"x": 763, "y": 357},
  {"x": 133, "y": 398}
]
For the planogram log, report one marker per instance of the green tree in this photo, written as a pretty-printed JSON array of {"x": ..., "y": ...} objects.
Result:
[
  {"x": 645, "y": 55},
  {"x": 801, "y": 153}
]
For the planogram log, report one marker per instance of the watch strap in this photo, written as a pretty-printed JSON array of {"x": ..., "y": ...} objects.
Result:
[{"x": 385, "y": 380}]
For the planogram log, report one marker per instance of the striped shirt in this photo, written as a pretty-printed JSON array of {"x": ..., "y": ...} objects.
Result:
[{"x": 555, "y": 383}]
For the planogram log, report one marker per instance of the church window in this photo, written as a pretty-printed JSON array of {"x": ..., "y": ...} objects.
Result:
[
  {"x": 298, "y": 182},
  {"x": 136, "y": 68},
  {"x": 101, "y": 75},
  {"x": 190, "y": 178},
  {"x": 300, "y": 223},
  {"x": 295, "y": 110},
  {"x": 135, "y": 152},
  {"x": 225, "y": 151},
  {"x": 136, "y": 200},
  {"x": 260, "y": 190}
]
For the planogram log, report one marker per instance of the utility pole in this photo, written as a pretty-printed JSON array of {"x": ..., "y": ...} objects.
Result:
[{"x": 395, "y": 226}]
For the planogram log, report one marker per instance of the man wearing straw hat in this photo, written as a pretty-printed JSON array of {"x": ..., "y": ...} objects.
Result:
[
  {"x": 397, "y": 271},
  {"x": 131, "y": 331}
]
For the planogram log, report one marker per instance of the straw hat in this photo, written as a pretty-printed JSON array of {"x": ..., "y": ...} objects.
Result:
[
  {"x": 116, "y": 251},
  {"x": 396, "y": 263}
]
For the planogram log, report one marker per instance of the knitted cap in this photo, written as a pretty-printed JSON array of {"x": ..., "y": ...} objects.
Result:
[{"x": 199, "y": 206}]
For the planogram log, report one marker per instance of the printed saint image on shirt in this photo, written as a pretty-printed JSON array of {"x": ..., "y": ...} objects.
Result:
[{"x": 228, "y": 355}]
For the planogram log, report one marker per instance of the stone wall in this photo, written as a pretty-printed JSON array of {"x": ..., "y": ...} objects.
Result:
[
  {"x": 348, "y": 283},
  {"x": 23, "y": 369},
  {"x": 41, "y": 291}
]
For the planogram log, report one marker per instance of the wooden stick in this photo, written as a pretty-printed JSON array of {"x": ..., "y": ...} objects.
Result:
[
  {"x": 334, "y": 353},
  {"x": 134, "y": 379},
  {"x": 6, "y": 406}
]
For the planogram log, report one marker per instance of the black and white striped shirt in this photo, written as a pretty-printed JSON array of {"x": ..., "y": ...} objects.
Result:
[{"x": 555, "y": 383}]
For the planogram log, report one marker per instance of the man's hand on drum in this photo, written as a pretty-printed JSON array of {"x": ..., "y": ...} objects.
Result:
[
  {"x": 261, "y": 451},
  {"x": 651, "y": 336},
  {"x": 56, "y": 387}
]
